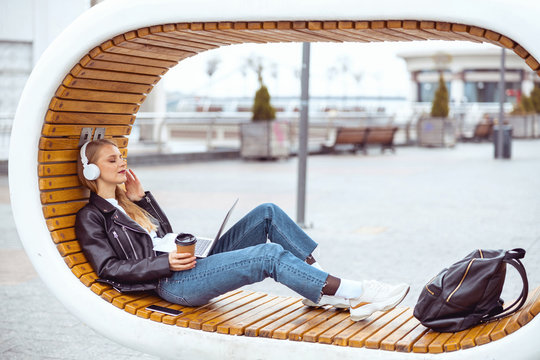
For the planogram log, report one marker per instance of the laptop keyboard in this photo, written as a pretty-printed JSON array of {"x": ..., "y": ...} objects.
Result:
[{"x": 201, "y": 246}]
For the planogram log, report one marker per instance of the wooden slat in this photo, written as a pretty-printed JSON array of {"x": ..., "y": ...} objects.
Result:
[
  {"x": 89, "y": 63},
  {"x": 163, "y": 49},
  {"x": 342, "y": 339},
  {"x": 172, "y": 320},
  {"x": 254, "y": 329},
  {"x": 359, "y": 339},
  {"x": 188, "y": 317},
  {"x": 532, "y": 62},
  {"x": 99, "y": 54},
  {"x": 84, "y": 269},
  {"x": 158, "y": 33},
  {"x": 390, "y": 342},
  {"x": 328, "y": 336},
  {"x": 75, "y": 130},
  {"x": 464, "y": 30},
  {"x": 67, "y": 168},
  {"x": 57, "y": 156},
  {"x": 62, "y": 209},
  {"x": 62, "y": 236},
  {"x": 133, "y": 306},
  {"x": 469, "y": 340},
  {"x": 422, "y": 344},
  {"x": 212, "y": 324},
  {"x": 526, "y": 314},
  {"x": 382, "y": 27},
  {"x": 75, "y": 259},
  {"x": 110, "y": 294},
  {"x": 60, "y": 222},
  {"x": 99, "y": 288},
  {"x": 80, "y": 72},
  {"x": 144, "y": 37},
  {"x": 120, "y": 46},
  {"x": 145, "y": 314},
  {"x": 107, "y": 85},
  {"x": 313, "y": 334},
  {"x": 88, "y": 118},
  {"x": 454, "y": 342},
  {"x": 48, "y": 183},
  {"x": 285, "y": 29},
  {"x": 407, "y": 342},
  {"x": 87, "y": 279},
  {"x": 72, "y": 144},
  {"x": 297, "y": 334},
  {"x": 437, "y": 345},
  {"x": 99, "y": 95},
  {"x": 123, "y": 300},
  {"x": 409, "y": 28},
  {"x": 375, "y": 340},
  {"x": 282, "y": 332},
  {"x": 359, "y": 29},
  {"x": 48, "y": 197},
  {"x": 158, "y": 317},
  {"x": 521, "y": 52},
  {"x": 93, "y": 106},
  {"x": 269, "y": 328},
  {"x": 484, "y": 336},
  {"x": 270, "y": 29},
  {"x": 431, "y": 27},
  {"x": 303, "y": 28},
  {"x": 197, "y": 322},
  {"x": 446, "y": 28},
  {"x": 238, "y": 325}
]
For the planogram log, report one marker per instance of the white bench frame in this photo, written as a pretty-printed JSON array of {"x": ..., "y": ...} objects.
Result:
[{"x": 111, "y": 18}]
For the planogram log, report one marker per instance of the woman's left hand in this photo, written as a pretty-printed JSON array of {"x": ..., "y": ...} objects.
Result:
[{"x": 134, "y": 188}]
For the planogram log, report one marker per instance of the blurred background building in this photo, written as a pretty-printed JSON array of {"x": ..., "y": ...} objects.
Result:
[{"x": 201, "y": 102}]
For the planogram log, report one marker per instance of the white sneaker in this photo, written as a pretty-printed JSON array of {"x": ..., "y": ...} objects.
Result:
[
  {"x": 376, "y": 296},
  {"x": 335, "y": 301}
]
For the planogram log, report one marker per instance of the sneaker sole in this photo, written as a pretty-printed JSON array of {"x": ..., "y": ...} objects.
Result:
[
  {"x": 366, "y": 310},
  {"x": 338, "y": 305}
]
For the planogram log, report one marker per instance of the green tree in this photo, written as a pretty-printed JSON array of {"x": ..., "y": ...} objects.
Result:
[
  {"x": 262, "y": 109},
  {"x": 535, "y": 99},
  {"x": 439, "y": 107}
]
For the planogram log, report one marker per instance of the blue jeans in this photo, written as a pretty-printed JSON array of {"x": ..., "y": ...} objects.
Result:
[{"x": 243, "y": 256}]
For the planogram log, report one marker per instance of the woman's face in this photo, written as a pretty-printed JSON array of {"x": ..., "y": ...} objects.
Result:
[{"x": 112, "y": 165}]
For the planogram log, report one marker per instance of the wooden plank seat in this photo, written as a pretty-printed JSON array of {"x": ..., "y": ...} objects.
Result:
[
  {"x": 362, "y": 137},
  {"x": 102, "y": 83},
  {"x": 482, "y": 132}
]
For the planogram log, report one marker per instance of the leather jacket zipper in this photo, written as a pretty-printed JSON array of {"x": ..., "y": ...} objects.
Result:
[
  {"x": 152, "y": 205},
  {"x": 130, "y": 243},
  {"x": 120, "y": 243}
]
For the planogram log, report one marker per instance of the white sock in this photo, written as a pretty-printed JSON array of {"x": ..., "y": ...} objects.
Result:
[{"x": 349, "y": 289}]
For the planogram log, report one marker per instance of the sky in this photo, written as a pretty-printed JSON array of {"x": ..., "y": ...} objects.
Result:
[{"x": 339, "y": 69}]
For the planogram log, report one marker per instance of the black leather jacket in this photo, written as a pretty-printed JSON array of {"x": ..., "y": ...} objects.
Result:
[{"x": 118, "y": 248}]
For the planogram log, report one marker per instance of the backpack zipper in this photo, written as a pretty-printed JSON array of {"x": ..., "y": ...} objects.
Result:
[
  {"x": 429, "y": 283},
  {"x": 118, "y": 240},
  {"x": 130, "y": 243},
  {"x": 462, "y": 279}
]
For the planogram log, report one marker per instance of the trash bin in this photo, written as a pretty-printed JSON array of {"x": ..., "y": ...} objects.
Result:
[{"x": 507, "y": 141}]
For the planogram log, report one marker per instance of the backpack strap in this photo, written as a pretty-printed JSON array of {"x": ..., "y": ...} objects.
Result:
[{"x": 512, "y": 257}]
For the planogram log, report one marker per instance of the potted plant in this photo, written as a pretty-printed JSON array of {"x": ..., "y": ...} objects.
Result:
[
  {"x": 264, "y": 137},
  {"x": 524, "y": 117},
  {"x": 437, "y": 130}
]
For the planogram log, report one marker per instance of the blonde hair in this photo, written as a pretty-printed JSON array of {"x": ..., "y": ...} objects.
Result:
[{"x": 141, "y": 216}]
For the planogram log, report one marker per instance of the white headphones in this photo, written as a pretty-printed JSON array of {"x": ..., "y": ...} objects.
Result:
[{"x": 90, "y": 171}]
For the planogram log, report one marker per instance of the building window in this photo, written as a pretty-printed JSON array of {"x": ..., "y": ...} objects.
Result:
[
  {"x": 488, "y": 91},
  {"x": 426, "y": 90}
]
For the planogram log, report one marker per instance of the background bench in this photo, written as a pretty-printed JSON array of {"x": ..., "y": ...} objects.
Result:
[{"x": 361, "y": 137}]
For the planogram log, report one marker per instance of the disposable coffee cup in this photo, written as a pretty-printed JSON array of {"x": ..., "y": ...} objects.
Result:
[{"x": 185, "y": 243}]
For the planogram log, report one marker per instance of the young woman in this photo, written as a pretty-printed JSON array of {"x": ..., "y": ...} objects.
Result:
[{"x": 118, "y": 227}]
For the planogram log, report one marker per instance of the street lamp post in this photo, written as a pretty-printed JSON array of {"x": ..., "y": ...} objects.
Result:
[{"x": 303, "y": 137}]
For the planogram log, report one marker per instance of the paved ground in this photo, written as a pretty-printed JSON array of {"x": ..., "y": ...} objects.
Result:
[{"x": 395, "y": 217}]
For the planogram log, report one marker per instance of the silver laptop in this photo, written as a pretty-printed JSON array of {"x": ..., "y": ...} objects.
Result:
[{"x": 205, "y": 245}]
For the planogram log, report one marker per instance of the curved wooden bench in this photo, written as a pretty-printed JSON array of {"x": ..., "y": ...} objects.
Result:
[{"x": 104, "y": 88}]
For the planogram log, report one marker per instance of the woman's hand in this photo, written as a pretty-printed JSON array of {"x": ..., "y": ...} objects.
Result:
[
  {"x": 134, "y": 188},
  {"x": 181, "y": 261}
]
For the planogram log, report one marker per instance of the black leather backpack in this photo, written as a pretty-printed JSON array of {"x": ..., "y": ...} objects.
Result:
[{"x": 468, "y": 292}]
